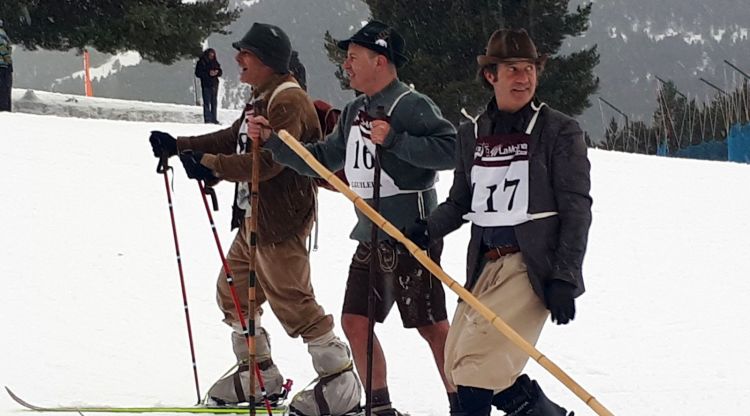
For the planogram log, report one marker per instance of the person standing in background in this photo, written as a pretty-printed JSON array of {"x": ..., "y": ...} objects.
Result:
[
  {"x": 208, "y": 70},
  {"x": 6, "y": 70}
]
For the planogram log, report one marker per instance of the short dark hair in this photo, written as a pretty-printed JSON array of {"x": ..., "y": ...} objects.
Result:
[{"x": 480, "y": 75}]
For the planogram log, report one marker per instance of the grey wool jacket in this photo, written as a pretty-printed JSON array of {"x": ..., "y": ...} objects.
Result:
[
  {"x": 420, "y": 143},
  {"x": 552, "y": 247}
]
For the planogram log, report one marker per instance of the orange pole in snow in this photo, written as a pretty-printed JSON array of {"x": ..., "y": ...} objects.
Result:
[{"x": 87, "y": 77}]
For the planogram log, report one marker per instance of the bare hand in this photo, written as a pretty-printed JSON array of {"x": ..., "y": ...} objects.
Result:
[
  {"x": 379, "y": 131},
  {"x": 258, "y": 127}
]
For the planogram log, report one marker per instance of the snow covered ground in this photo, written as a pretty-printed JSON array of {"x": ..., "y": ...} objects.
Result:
[{"x": 91, "y": 310}]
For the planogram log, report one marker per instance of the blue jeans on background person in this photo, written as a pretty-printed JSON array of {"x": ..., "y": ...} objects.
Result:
[{"x": 209, "y": 104}]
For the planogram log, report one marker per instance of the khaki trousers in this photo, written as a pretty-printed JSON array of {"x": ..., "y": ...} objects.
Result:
[
  {"x": 476, "y": 354},
  {"x": 283, "y": 279}
]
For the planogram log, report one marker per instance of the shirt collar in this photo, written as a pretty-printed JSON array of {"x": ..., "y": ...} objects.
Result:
[{"x": 505, "y": 122}]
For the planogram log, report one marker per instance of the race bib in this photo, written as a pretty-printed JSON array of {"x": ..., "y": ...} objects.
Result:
[
  {"x": 500, "y": 181},
  {"x": 360, "y": 161}
]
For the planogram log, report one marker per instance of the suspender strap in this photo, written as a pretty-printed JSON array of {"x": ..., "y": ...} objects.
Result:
[{"x": 283, "y": 86}]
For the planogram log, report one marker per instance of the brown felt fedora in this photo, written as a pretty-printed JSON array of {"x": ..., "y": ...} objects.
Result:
[{"x": 508, "y": 45}]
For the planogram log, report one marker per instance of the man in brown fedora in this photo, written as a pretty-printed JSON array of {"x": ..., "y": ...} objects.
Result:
[{"x": 522, "y": 179}]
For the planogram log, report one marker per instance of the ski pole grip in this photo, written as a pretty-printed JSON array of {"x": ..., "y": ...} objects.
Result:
[
  {"x": 380, "y": 113},
  {"x": 163, "y": 164},
  {"x": 212, "y": 193},
  {"x": 259, "y": 108}
]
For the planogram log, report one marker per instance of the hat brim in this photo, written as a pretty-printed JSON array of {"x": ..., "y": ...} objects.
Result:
[
  {"x": 399, "y": 59},
  {"x": 258, "y": 54},
  {"x": 239, "y": 45},
  {"x": 484, "y": 60}
]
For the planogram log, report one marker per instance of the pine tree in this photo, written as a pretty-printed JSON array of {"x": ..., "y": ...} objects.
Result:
[
  {"x": 160, "y": 30},
  {"x": 444, "y": 37}
]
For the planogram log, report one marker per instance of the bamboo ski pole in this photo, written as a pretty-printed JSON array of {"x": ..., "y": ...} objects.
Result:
[
  {"x": 163, "y": 167},
  {"x": 462, "y": 293},
  {"x": 236, "y": 301}
]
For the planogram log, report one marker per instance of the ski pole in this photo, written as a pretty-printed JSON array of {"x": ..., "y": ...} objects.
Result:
[
  {"x": 163, "y": 168},
  {"x": 436, "y": 270},
  {"x": 236, "y": 301},
  {"x": 253, "y": 230},
  {"x": 374, "y": 266}
]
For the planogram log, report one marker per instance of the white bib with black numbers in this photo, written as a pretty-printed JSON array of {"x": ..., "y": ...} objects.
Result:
[
  {"x": 360, "y": 161},
  {"x": 500, "y": 179}
]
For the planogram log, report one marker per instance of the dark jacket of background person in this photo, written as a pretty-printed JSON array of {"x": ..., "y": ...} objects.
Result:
[
  {"x": 6, "y": 70},
  {"x": 204, "y": 67}
]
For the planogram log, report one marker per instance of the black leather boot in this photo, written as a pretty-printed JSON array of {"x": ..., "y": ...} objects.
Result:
[
  {"x": 526, "y": 398},
  {"x": 472, "y": 401}
]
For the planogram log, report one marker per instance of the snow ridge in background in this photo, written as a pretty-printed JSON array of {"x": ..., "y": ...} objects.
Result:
[{"x": 51, "y": 103}]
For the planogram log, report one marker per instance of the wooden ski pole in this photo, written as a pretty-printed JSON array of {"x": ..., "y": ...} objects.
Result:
[
  {"x": 253, "y": 234},
  {"x": 436, "y": 270},
  {"x": 374, "y": 268},
  {"x": 235, "y": 298}
]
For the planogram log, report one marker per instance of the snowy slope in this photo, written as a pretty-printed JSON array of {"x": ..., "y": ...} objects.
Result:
[{"x": 91, "y": 311}]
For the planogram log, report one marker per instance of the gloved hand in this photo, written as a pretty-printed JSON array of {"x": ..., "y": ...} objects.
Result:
[
  {"x": 558, "y": 295},
  {"x": 418, "y": 234},
  {"x": 162, "y": 142},
  {"x": 191, "y": 161}
]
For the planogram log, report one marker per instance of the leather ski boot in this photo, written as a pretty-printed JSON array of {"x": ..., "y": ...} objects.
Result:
[
  {"x": 337, "y": 391},
  {"x": 234, "y": 388},
  {"x": 526, "y": 398}
]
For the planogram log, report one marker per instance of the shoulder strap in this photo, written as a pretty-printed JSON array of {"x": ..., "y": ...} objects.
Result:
[
  {"x": 395, "y": 102},
  {"x": 283, "y": 86},
  {"x": 473, "y": 121},
  {"x": 537, "y": 110}
]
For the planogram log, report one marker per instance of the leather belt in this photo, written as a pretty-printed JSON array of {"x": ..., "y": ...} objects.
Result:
[{"x": 494, "y": 253}]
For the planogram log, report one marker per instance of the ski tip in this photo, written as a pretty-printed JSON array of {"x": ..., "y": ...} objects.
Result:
[{"x": 19, "y": 400}]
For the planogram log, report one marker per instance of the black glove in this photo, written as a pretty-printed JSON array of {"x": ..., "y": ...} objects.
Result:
[
  {"x": 558, "y": 295},
  {"x": 191, "y": 161},
  {"x": 162, "y": 142},
  {"x": 418, "y": 234}
]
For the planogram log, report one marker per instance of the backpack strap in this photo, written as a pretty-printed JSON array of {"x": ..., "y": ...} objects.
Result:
[{"x": 283, "y": 86}]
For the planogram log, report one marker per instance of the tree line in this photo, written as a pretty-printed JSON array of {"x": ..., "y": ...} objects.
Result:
[{"x": 443, "y": 39}]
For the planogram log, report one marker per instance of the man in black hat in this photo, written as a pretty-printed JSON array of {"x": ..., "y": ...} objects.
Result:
[
  {"x": 522, "y": 179},
  {"x": 416, "y": 142},
  {"x": 285, "y": 215}
]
